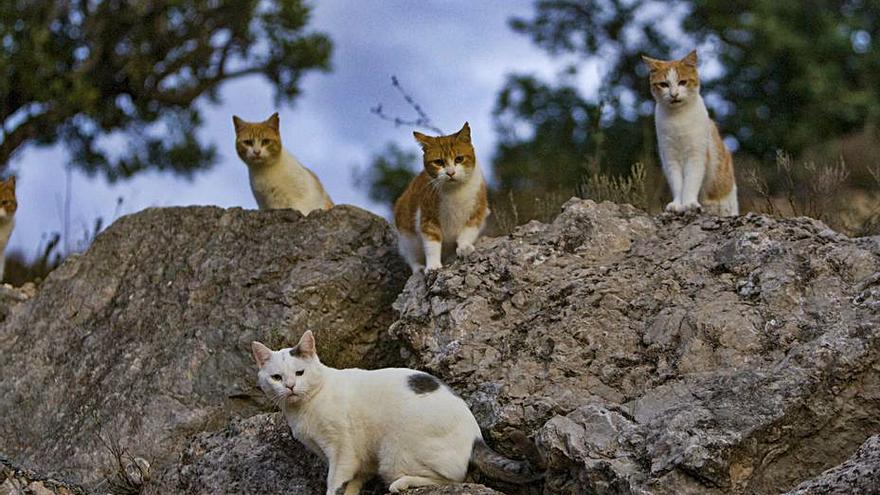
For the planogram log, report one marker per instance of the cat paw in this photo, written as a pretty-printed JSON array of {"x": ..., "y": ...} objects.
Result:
[
  {"x": 430, "y": 267},
  {"x": 398, "y": 486},
  {"x": 464, "y": 250},
  {"x": 693, "y": 206},
  {"x": 674, "y": 207}
]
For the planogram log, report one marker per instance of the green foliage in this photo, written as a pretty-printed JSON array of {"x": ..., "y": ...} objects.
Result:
[
  {"x": 77, "y": 71},
  {"x": 792, "y": 75},
  {"x": 388, "y": 173}
]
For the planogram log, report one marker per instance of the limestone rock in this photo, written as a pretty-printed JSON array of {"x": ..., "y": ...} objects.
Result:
[
  {"x": 18, "y": 481},
  {"x": 144, "y": 340},
  {"x": 665, "y": 355}
]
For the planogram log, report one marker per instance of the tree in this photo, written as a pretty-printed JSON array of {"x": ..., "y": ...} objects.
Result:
[
  {"x": 388, "y": 173},
  {"x": 76, "y": 71},
  {"x": 792, "y": 74}
]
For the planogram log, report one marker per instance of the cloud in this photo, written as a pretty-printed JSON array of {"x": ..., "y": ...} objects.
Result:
[{"x": 452, "y": 56}]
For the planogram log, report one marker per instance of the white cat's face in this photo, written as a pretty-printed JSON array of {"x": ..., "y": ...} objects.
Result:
[{"x": 289, "y": 375}]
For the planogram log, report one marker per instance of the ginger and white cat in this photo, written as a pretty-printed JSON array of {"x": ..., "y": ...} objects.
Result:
[
  {"x": 402, "y": 424},
  {"x": 8, "y": 205},
  {"x": 696, "y": 162},
  {"x": 278, "y": 179},
  {"x": 445, "y": 206}
]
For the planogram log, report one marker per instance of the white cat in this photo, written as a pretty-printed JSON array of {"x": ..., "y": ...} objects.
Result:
[
  {"x": 401, "y": 424},
  {"x": 278, "y": 179},
  {"x": 696, "y": 162}
]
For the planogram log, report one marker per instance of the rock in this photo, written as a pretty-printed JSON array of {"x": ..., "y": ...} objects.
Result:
[
  {"x": 11, "y": 297},
  {"x": 664, "y": 355},
  {"x": 144, "y": 340},
  {"x": 256, "y": 455},
  {"x": 859, "y": 474},
  {"x": 18, "y": 481},
  {"x": 457, "y": 489}
]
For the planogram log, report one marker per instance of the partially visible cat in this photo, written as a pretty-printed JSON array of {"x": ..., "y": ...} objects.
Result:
[
  {"x": 278, "y": 179},
  {"x": 8, "y": 205},
  {"x": 445, "y": 206},
  {"x": 401, "y": 424},
  {"x": 696, "y": 162}
]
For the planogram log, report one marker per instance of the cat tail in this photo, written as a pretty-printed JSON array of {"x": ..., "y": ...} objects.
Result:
[{"x": 498, "y": 467}]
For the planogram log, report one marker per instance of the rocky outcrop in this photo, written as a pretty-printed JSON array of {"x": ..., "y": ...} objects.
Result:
[
  {"x": 460, "y": 489},
  {"x": 256, "y": 455},
  {"x": 859, "y": 474},
  {"x": 144, "y": 340},
  {"x": 661, "y": 355},
  {"x": 665, "y": 355},
  {"x": 17, "y": 481}
]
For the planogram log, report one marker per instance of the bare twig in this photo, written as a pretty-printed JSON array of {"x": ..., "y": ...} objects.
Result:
[{"x": 423, "y": 120}]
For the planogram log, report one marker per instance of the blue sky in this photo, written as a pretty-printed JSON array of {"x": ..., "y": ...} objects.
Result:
[{"x": 451, "y": 55}]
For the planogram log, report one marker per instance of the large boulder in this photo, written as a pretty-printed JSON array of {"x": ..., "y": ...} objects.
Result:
[
  {"x": 144, "y": 340},
  {"x": 666, "y": 355}
]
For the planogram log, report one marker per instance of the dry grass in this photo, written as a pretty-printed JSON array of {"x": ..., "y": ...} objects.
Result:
[{"x": 632, "y": 188}]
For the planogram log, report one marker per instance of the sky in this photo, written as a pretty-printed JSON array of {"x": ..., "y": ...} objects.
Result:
[{"x": 451, "y": 55}]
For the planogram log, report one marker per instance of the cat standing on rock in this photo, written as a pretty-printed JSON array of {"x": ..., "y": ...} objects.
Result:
[
  {"x": 445, "y": 206},
  {"x": 696, "y": 162},
  {"x": 401, "y": 424},
  {"x": 278, "y": 179},
  {"x": 8, "y": 205}
]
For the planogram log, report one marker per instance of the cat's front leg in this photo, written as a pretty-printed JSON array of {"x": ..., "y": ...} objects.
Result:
[
  {"x": 694, "y": 172},
  {"x": 341, "y": 477},
  {"x": 432, "y": 242},
  {"x": 465, "y": 241},
  {"x": 674, "y": 176}
]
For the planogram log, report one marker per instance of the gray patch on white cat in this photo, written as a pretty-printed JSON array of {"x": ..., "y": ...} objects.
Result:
[
  {"x": 296, "y": 352},
  {"x": 423, "y": 383}
]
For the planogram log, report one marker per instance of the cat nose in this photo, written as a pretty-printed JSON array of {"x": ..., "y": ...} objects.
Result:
[
  {"x": 257, "y": 152},
  {"x": 450, "y": 172}
]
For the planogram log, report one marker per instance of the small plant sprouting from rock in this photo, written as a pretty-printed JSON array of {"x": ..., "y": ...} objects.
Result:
[{"x": 130, "y": 475}]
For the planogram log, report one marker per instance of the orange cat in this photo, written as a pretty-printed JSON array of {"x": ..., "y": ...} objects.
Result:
[
  {"x": 444, "y": 206},
  {"x": 696, "y": 162},
  {"x": 8, "y": 205},
  {"x": 278, "y": 179}
]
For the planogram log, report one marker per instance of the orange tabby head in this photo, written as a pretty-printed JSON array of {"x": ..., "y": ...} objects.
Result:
[
  {"x": 257, "y": 143},
  {"x": 8, "y": 204},
  {"x": 448, "y": 159},
  {"x": 674, "y": 82}
]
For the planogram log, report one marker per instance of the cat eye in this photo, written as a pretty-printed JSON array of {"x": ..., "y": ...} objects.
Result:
[
  {"x": 277, "y": 378},
  {"x": 663, "y": 85},
  {"x": 249, "y": 142},
  {"x": 300, "y": 372},
  {"x": 438, "y": 163},
  {"x": 459, "y": 159},
  {"x": 682, "y": 83}
]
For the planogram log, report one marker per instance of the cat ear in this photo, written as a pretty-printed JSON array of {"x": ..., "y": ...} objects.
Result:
[
  {"x": 424, "y": 140},
  {"x": 261, "y": 353},
  {"x": 238, "y": 123},
  {"x": 464, "y": 135},
  {"x": 690, "y": 59},
  {"x": 652, "y": 63},
  {"x": 306, "y": 344},
  {"x": 274, "y": 121}
]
